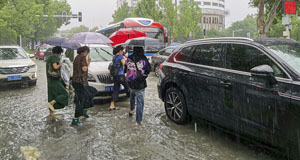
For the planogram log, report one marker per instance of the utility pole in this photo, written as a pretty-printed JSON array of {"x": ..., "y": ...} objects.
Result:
[{"x": 289, "y": 7}]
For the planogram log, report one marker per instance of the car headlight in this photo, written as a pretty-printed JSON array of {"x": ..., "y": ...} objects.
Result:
[
  {"x": 91, "y": 78},
  {"x": 32, "y": 66}
]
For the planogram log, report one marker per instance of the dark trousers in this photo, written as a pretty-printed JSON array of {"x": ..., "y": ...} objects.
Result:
[
  {"x": 79, "y": 98},
  {"x": 118, "y": 80}
]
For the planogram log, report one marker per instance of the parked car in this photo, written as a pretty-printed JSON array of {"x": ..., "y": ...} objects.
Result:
[
  {"x": 98, "y": 74},
  {"x": 30, "y": 55},
  {"x": 47, "y": 53},
  {"x": 159, "y": 57},
  {"x": 250, "y": 87},
  {"x": 16, "y": 67},
  {"x": 39, "y": 54}
]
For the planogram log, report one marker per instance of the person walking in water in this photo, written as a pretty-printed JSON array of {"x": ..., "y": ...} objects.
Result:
[
  {"x": 58, "y": 96},
  {"x": 137, "y": 70},
  {"x": 119, "y": 78},
  {"x": 80, "y": 83}
]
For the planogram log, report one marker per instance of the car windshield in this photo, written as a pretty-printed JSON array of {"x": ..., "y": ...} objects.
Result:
[
  {"x": 43, "y": 49},
  {"x": 12, "y": 53},
  {"x": 290, "y": 53},
  {"x": 100, "y": 54}
]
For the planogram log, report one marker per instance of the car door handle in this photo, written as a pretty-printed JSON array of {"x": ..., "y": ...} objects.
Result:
[{"x": 225, "y": 84}]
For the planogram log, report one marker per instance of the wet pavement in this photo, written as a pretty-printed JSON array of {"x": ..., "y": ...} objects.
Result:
[{"x": 109, "y": 134}]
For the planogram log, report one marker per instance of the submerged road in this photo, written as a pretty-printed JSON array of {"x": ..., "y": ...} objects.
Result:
[{"x": 109, "y": 134}]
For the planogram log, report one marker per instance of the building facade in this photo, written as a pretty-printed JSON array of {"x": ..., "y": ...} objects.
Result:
[{"x": 213, "y": 12}]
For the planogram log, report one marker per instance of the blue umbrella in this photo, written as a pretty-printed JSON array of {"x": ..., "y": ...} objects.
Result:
[
  {"x": 90, "y": 38},
  {"x": 56, "y": 41},
  {"x": 175, "y": 44}
]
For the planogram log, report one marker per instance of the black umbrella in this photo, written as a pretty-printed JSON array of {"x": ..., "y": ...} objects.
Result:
[
  {"x": 150, "y": 45},
  {"x": 143, "y": 41},
  {"x": 56, "y": 41}
]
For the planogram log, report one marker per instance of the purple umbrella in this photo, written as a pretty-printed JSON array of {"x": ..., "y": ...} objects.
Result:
[
  {"x": 56, "y": 41},
  {"x": 90, "y": 38},
  {"x": 70, "y": 45}
]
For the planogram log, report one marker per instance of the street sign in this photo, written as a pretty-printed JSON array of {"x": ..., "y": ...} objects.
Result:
[
  {"x": 289, "y": 7},
  {"x": 286, "y": 20}
]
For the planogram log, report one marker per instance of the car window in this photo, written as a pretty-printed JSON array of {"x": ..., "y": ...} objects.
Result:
[
  {"x": 162, "y": 52},
  {"x": 168, "y": 51},
  {"x": 12, "y": 53},
  {"x": 101, "y": 54},
  {"x": 70, "y": 54},
  {"x": 185, "y": 54},
  {"x": 244, "y": 58},
  {"x": 208, "y": 54}
]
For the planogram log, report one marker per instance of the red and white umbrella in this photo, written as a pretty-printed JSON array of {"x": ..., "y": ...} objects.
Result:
[{"x": 122, "y": 35}]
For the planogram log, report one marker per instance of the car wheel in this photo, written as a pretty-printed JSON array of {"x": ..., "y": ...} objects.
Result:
[
  {"x": 156, "y": 71},
  {"x": 175, "y": 106}
]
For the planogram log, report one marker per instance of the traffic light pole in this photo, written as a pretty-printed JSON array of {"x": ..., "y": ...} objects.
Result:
[{"x": 64, "y": 16}]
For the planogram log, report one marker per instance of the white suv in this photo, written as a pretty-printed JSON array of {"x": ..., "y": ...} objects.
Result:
[
  {"x": 16, "y": 67},
  {"x": 98, "y": 75}
]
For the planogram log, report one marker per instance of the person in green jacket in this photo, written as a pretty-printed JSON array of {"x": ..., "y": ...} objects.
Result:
[{"x": 58, "y": 97}]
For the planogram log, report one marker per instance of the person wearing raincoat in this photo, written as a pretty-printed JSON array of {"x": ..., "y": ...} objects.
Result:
[{"x": 58, "y": 96}]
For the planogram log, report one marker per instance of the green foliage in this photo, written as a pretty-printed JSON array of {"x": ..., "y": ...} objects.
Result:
[
  {"x": 70, "y": 32},
  {"x": 121, "y": 13},
  {"x": 25, "y": 17},
  {"x": 169, "y": 15},
  {"x": 189, "y": 17},
  {"x": 241, "y": 28},
  {"x": 147, "y": 9}
]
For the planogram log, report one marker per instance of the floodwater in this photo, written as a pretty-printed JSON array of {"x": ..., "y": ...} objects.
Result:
[{"x": 109, "y": 134}]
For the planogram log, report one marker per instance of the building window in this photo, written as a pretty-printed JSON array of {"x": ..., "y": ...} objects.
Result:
[
  {"x": 221, "y": 5},
  {"x": 209, "y": 21},
  {"x": 204, "y": 21},
  {"x": 207, "y": 3},
  {"x": 215, "y": 4},
  {"x": 198, "y": 3}
]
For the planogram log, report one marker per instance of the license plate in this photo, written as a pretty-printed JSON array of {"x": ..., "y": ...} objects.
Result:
[
  {"x": 111, "y": 88},
  {"x": 14, "y": 78}
]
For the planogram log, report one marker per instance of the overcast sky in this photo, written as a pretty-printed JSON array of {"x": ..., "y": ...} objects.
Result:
[{"x": 99, "y": 12}]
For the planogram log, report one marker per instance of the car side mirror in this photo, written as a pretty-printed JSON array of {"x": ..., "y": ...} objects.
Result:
[{"x": 264, "y": 72}]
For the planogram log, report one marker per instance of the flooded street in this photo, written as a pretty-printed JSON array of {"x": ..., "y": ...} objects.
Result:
[{"x": 108, "y": 134}]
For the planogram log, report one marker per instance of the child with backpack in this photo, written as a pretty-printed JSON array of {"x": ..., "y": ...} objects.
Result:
[{"x": 137, "y": 70}]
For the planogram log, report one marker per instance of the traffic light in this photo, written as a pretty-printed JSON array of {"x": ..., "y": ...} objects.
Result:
[
  {"x": 64, "y": 16},
  {"x": 80, "y": 16}
]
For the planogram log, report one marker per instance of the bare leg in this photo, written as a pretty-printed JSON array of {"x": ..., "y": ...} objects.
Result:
[
  {"x": 51, "y": 108},
  {"x": 112, "y": 105}
]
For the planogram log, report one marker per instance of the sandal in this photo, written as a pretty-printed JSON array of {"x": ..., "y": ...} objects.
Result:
[
  {"x": 131, "y": 113},
  {"x": 110, "y": 109}
]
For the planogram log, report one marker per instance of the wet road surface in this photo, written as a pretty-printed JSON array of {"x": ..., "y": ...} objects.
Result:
[{"x": 109, "y": 134}]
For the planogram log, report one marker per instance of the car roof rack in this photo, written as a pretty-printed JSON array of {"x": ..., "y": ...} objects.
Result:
[{"x": 221, "y": 38}]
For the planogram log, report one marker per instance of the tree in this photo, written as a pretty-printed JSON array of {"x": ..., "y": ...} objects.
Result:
[
  {"x": 268, "y": 10},
  {"x": 25, "y": 17},
  {"x": 147, "y": 9},
  {"x": 189, "y": 17},
  {"x": 69, "y": 33},
  {"x": 169, "y": 14},
  {"x": 242, "y": 28},
  {"x": 121, "y": 13}
]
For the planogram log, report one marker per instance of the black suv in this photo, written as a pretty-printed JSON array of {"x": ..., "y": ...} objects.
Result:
[{"x": 248, "y": 86}]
